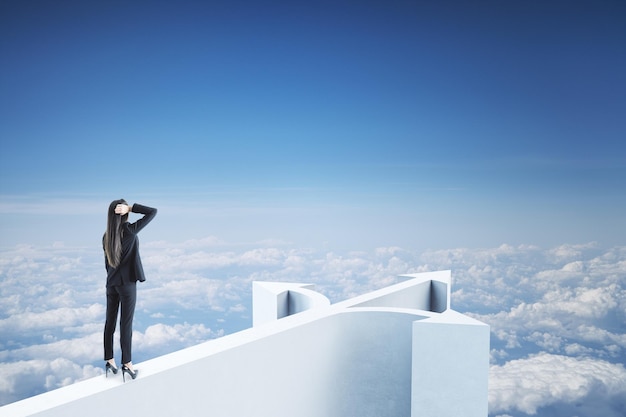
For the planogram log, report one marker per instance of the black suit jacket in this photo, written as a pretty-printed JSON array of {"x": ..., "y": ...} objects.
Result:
[{"x": 130, "y": 269}]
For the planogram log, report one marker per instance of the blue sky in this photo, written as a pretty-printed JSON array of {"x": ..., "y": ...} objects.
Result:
[
  {"x": 497, "y": 122},
  {"x": 341, "y": 143}
]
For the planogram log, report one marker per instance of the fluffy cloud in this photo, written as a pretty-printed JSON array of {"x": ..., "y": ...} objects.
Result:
[
  {"x": 81, "y": 349},
  {"x": 59, "y": 318},
  {"x": 174, "y": 337},
  {"x": 565, "y": 315},
  {"x": 37, "y": 368},
  {"x": 544, "y": 379},
  {"x": 557, "y": 315},
  {"x": 22, "y": 379}
]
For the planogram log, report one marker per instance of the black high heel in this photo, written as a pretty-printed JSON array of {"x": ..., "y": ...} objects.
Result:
[
  {"x": 108, "y": 367},
  {"x": 126, "y": 370}
]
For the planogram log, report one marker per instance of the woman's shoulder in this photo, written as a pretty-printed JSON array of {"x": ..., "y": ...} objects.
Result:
[{"x": 132, "y": 229}]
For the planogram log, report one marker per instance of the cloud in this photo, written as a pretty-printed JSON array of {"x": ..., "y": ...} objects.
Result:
[
  {"x": 562, "y": 307},
  {"x": 566, "y": 304},
  {"x": 40, "y": 367},
  {"x": 565, "y": 253},
  {"x": 580, "y": 314},
  {"x": 26, "y": 378},
  {"x": 60, "y": 318},
  {"x": 83, "y": 347},
  {"x": 175, "y": 337},
  {"x": 545, "y": 379}
]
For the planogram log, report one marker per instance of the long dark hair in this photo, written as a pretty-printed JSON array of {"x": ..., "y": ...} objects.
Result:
[{"x": 113, "y": 234}]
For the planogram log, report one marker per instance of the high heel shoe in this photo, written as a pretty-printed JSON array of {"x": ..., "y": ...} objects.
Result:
[
  {"x": 126, "y": 370},
  {"x": 108, "y": 367}
]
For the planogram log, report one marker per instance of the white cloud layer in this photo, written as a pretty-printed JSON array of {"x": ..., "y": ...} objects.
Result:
[
  {"x": 557, "y": 315},
  {"x": 544, "y": 379}
]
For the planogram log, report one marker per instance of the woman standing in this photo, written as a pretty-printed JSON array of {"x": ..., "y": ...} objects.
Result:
[{"x": 124, "y": 269}]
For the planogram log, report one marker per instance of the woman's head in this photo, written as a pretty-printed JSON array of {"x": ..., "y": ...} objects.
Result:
[
  {"x": 114, "y": 217},
  {"x": 113, "y": 233}
]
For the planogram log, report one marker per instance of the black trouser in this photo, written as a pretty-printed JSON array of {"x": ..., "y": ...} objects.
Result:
[{"x": 126, "y": 295}]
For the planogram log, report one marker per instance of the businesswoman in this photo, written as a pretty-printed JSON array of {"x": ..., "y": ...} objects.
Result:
[{"x": 124, "y": 269}]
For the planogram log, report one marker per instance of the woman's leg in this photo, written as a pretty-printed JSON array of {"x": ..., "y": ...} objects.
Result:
[
  {"x": 113, "y": 303},
  {"x": 128, "y": 298}
]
